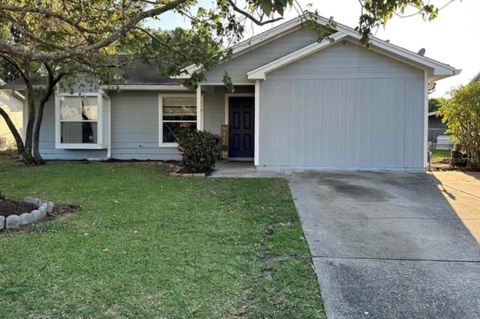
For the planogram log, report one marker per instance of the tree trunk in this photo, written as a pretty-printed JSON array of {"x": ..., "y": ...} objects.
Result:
[
  {"x": 36, "y": 136},
  {"x": 52, "y": 81},
  {"x": 28, "y": 158},
  {"x": 13, "y": 129},
  {"x": 36, "y": 130}
]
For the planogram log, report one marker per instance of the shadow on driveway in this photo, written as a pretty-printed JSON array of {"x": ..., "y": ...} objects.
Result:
[
  {"x": 462, "y": 191},
  {"x": 387, "y": 245}
]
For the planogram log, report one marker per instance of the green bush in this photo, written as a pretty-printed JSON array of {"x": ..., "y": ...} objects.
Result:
[
  {"x": 461, "y": 113},
  {"x": 198, "y": 149}
]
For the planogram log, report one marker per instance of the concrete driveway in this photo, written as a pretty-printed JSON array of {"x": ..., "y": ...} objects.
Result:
[
  {"x": 462, "y": 191},
  {"x": 387, "y": 245}
]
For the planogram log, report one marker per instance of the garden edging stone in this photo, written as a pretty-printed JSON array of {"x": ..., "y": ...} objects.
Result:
[
  {"x": 13, "y": 222},
  {"x": 44, "y": 208}
]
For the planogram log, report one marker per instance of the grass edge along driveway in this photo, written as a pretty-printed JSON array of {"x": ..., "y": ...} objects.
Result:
[{"x": 148, "y": 245}]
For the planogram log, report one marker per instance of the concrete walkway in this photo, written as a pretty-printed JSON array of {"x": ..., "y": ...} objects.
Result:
[
  {"x": 387, "y": 246},
  {"x": 232, "y": 169}
]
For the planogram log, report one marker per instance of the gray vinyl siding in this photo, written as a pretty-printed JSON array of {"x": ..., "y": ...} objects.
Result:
[
  {"x": 214, "y": 111},
  {"x": 238, "y": 67},
  {"x": 47, "y": 140},
  {"x": 345, "y": 107},
  {"x": 135, "y": 127},
  {"x": 214, "y": 106}
]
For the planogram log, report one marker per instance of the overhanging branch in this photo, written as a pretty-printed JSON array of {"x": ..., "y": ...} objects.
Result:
[{"x": 250, "y": 16}]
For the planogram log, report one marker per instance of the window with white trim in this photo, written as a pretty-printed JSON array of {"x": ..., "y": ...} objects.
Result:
[
  {"x": 78, "y": 120},
  {"x": 176, "y": 112}
]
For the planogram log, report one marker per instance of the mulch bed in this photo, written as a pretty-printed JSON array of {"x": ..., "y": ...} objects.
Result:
[{"x": 12, "y": 207}]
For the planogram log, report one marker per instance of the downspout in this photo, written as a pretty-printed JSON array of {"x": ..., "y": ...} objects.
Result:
[{"x": 109, "y": 129}]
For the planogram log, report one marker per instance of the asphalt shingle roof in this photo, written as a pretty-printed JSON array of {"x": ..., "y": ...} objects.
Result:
[{"x": 139, "y": 74}]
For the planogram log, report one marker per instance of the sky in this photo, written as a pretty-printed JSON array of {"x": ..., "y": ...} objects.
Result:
[{"x": 452, "y": 38}]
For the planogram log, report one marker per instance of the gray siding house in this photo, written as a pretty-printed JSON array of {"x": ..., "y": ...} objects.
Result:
[
  {"x": 435, "y": 127},
  {"x": 298, "y": 103},
  {"x": 476, "y": 78}
]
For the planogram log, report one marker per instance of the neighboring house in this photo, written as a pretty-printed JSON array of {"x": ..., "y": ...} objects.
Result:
[
  {"x": 12, "y": 102},
  {"x": 298, "y": 103},
  {"x": 435, "y": 126},
  {"x": 476, "y": 78}
]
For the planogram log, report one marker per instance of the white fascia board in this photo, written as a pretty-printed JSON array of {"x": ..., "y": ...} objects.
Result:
[
  {"x": 268, "y": 35},
  {"x": 189, "y": 70},
  {"x": 261, "y": 72},
  {"x": 439, "y": 69},
  {"x": 239, "y": 48}
]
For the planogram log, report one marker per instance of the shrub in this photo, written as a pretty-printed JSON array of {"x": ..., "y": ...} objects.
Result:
[
  {"x": 461, "y": 113},
  {"x": 198, "y": 149}
]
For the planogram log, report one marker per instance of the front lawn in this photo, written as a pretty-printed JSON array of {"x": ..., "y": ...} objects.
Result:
[{"x": 146, "y": 245}]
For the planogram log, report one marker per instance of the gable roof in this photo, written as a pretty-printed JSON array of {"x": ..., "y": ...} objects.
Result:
[
  {"x": 261, "y": 72},
  {"x": 436, "y": 70}
]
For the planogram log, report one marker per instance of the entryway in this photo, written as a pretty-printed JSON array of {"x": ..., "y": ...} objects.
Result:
[{"x": 241, "y": 119}]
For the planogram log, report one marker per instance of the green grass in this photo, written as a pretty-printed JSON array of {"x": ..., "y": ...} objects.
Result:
[
  {"x": 146, "y": 245},
  {"x": 439, "y": 156}
]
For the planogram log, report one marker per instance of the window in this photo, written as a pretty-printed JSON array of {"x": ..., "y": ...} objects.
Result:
[
  {"x": 176, "y": 112},
  {"x": 78, "y": 120}
]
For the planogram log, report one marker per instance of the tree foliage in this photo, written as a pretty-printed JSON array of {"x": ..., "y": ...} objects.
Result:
[
  {"x": 434, "y": 104},
  {"x": 461, "y": 113},
  {"x": 43, "y": 42}
]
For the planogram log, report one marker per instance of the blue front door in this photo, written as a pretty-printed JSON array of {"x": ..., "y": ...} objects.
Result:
[{"x": 241, "y": 121}]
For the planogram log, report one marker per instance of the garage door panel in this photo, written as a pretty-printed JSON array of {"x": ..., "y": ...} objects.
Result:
[
  {"x": 341, "y": 123},
  {"x": 343, "y": 107}
]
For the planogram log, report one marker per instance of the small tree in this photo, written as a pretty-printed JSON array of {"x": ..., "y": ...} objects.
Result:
[{"x": 461, "y": 113}]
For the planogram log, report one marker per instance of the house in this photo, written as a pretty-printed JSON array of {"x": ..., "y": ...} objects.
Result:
[
  {"x": 437, "y": 133},
  {"x": 476, "y": 78},
  {"x": 435, "y": 126},
  {"x": 12, "y": 103},
  {"x": 298, "y": 103}
]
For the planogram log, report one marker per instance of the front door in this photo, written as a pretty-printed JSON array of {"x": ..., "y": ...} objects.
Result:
[{"x": 241, "y": 121}]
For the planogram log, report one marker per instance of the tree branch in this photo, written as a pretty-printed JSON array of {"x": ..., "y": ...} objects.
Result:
[
  {"x": 49, "y": 13},
  {"x": 13, "y": 63},
  {"x": 154, "y": 37},
  {"x": 20, "y": 50},
  {"x": 250, "y": 16},
  {"x": 23, "y": 31}
]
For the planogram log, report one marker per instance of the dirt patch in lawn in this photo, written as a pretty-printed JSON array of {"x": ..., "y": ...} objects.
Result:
[
  {"x": 11, "y": 207},
  {"x": 62, "y": 209}
]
